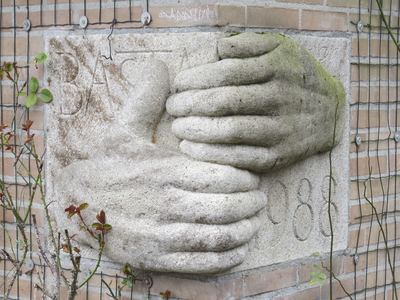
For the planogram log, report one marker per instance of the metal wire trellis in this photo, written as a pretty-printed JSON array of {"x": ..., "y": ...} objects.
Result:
[
  {"x": 380, "y": 133},
  {"x": 20, "y": 189},
  {"x": 378, "y": 141}
]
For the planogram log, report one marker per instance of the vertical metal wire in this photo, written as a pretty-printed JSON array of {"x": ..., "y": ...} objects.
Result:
[
  {"x": 2, "y": 150},
  {"x": 20, "y": 196},
  {"x": 379, "y": 189}
]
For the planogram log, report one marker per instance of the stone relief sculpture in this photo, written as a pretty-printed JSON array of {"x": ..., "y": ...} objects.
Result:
[{"x": 176, "y": 137}]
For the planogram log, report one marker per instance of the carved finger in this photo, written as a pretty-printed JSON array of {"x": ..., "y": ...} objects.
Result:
[
  {"x": 247, "y": 45},
  {"x": 249, "y": 130},
  {"x": 154, "y": 171},
  {"x": 259, "y": 159},
  {"x": 204, "y": 208},
  {"x": 257, "y": 99},
  {"x": 198, "y": 262},
  {"x": 183, "y": 237},
  {"x": 225, "y": 73}
]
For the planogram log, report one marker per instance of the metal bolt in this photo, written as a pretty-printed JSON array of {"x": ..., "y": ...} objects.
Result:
[
  {"x": 146, "y": 18},
  {"x": 397, "y": 136},
  {"x": 356, "y": 258},
  {"x": 360, "y": 26},
  {"x": 26, "y": 24},
  {"x": 358, "y": 139},
  {"x": 147, "y": 281},
  {"x": 83, "y": 22},
  {"x": 86, "y": 273},
  {"x": 29, "y": 264}
]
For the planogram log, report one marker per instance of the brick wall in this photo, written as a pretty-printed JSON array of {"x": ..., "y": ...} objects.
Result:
[{"x": 374, "y": 78}]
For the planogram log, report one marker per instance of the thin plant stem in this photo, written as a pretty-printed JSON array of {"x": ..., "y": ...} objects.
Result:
[
  {"x": 330, "y": 202},
  {"x": 101, "y": 248},
  {"x": 383, "y": 235},
  {"x": 387, "y": 25}
]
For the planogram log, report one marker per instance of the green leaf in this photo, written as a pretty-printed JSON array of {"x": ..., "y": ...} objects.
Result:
[
  {"x": 1, "y": 74},
  {"x": 41, "y": 58},
  {"x": 322, "y": 275},
  {"x": 95, "y": 225},
  {"x": 33, "y": 85},
  {"x": 316, "y": 254},
  {"x": 46, "y": 96},
  {"x": 129, "y": 283},
  {"x": 72, "y": 212},
  {"x": 313, "y": 273},
  {"x": 83, "y": 206},
  {"x": 316, "y": 280},
  {"x": 317, "y": 267},
  {"x": 30, "y": 100},
  {"x": 103, "y": 217},
  {"x": 8, "y": 67},
  {"x": 107, "y": 226},
  {"x": 22, "y": 94}
]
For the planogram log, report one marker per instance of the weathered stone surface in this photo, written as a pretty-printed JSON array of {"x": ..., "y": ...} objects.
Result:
[{"x": 195, "y": 205}]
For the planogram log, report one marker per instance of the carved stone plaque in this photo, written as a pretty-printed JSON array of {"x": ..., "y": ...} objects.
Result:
[{"x": 208, "y": 153}]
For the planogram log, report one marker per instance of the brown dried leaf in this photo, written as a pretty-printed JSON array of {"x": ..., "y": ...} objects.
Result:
[{"x": 65, "y": 247}]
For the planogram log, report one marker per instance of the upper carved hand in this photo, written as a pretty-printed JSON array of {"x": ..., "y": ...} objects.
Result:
[{"x": 266, "y": 104}]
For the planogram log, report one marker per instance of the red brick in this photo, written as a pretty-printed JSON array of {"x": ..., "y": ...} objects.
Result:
[
  {"x": 391, "y": 230},
  {"x": 356, "y": 238},
  {"x": 373, "y": 118},
  {"x": 107, "y": 15},
  {"x": 338, "y": 291},
  {"x": 35, "y": 116},
  {"x": 182, "y": 16},
  {"x": 394, "y": 118},
  {"x": 354, "y": 147},
  {"x": 376, "y": 185},
  {"x": 359, "y": 94},
  {"x": 381, "y": 141},
  {"x": 266, "y": 17},
  {"x": 35, "y": 46},
  {"x": 6, "y": 21},
  {"x": 195, "y": 289},
  {"x": 265, "y": 282},
  {"x": 19, "y": 2},
  {"x": 313, "y": 2},
  {"x": 338, "y": 268},
  {"x": 311, "y": 293},
  {"x": 374, "y": 20},
  {"x": 382, "y": 94},
  {"x": 348, "y": 3},
  {"x": 321, "y": 20},
  {"x": 379, "y": 48},
  {"x": 229, "y": 15},
  {"x": 47, "y": 19},
  {"x": 364, "y": 165},
  {"x": 369, "y": 73},
  {"x": 73, "y": 1},
  {"x": 359, "y": 47}
]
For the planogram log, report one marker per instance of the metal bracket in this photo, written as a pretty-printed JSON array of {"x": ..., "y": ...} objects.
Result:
[
  {"x": 29, "y": 264},
  {"x": 397, "y": 136},
  {"x": 146, "y": 18},
  {"x": 147, "y": 281},
  {"x": 83, "y": 22},
  {"x": 360, "y": 26},
  {"x": 26, "y": 24},
  {"x": 356, "y": 258},
  {"x": 86, "y": 273},
  {"x": 358, "y": 139}
]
